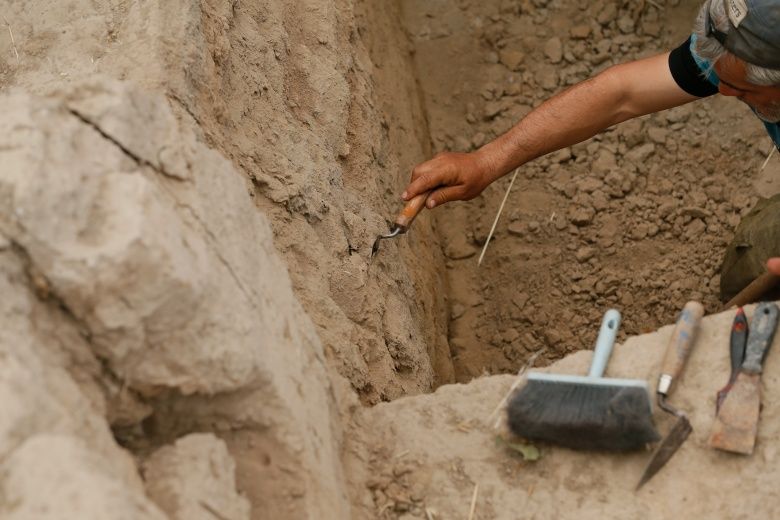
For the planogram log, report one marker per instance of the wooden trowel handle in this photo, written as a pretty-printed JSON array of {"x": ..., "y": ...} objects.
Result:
[
  {"x": 411, "y": 210},
  {"x": 680, "y": 345},
  {"x": 754, "y": 291}
]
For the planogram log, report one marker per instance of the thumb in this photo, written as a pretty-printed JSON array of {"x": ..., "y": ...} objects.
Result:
[
  {"x": 444, "y": 195},
  {"x": 773, "y": 264}
]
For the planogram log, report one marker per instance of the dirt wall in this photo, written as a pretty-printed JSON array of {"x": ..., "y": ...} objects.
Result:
[
  {"x": 244, "y": 162},
  {"x": 174, "y": 326},
  {"x": 317, "y": 105}
]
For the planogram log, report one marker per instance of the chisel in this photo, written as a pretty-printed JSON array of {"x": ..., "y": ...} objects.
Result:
[
  {"x": 739, "y": 335},
  {"x": 736, "y": 424}
]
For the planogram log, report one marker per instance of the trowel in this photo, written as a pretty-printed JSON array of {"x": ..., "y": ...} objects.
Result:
[
  {"x": 737, "y": 345},
  {"x": 677, "y": 352},
  {"x": 404, "y": 219}
]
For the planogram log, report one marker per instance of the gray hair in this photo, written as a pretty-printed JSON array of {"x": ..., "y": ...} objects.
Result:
[{"x": 710, "y": 49}]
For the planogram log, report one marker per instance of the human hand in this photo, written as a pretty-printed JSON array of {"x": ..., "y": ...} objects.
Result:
[
  {"x": 451, "y": 176},
  {"x": 773, "y": 265}
]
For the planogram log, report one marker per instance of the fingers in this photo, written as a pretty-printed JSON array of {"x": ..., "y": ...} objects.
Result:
[
  {"x": 425, "y": 177},
  {"x": 773, "y": 264},
  {"x": 444, "y": 195},
  {"x": 419, "y": 185}
]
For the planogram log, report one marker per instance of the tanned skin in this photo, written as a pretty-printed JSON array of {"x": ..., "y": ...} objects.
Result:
[{"x": 619, "y": 93}]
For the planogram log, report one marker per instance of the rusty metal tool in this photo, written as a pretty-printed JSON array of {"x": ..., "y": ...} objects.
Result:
[
  {"x": 736, "y": 424},
  {"x": 404, "y": 219},
  {"x": 677, "y": 352},
  {"x": 737, "y": 343}
]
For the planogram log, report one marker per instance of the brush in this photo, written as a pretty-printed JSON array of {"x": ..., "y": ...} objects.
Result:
[{"x": 585, "y": 412}]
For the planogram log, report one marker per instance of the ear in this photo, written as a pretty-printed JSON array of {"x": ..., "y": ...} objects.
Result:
[{"x": 731, "y": 66}]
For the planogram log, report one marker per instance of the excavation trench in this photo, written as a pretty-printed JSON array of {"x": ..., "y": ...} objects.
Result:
[
  {"x": 328, "y": 114},
  {"x": 637, "y": 218}
]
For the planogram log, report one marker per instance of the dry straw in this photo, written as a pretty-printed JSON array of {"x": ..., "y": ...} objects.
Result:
[
  {"x": 13, "y": 42},
  {"x": 474, "y": 502},
  {"x": 495, "y": 221}
]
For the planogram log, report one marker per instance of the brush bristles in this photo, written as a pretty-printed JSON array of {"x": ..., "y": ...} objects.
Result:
[{"x": 584, "y": 416}]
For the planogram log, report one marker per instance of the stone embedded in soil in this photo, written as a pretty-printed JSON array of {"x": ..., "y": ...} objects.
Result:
[
  {"x": 580, "y": 32},
  {"x": 605, "y": 161},
  {"x": 458, "y": 247},
  {"x": 626, "y": 24},
  {"x": 553, "y": 49},
  {"x": 194, "y": 478},
  {"x": 599, "y": 200},
  {"x": 457, "y": 311},
  {"x": 695, "y": 229},
  {"x": 607, "y": 14},
  {"x": 512, "y": 58},
  {"x": 510, "y": 335},
  {"x": 581, "y": 216},
  {"x": 516, "y": 228},
  {"x": 640, "y": 153},
  {"x": 589, "y": 184},
  {"x": 562, "y": 155},
  {"x": 695, "y": 212},
  {"x": 585, "y": 253},
  {"x": 640, "y": 231},
  {"x": 657, "y": 134},
  {"x": 513, "y": 89},
  {"x": 493, "y": 109},
  {"x": 651, "y": 28},
  {"x": 715, "y": 192},
  {"x": 520, "y": 299},
  {"x": 548, "y": 78}
]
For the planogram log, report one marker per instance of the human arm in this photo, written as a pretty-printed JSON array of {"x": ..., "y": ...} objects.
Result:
[{"x": 619, "y": 93}]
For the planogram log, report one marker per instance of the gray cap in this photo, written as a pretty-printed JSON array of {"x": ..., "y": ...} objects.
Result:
[{"x": 754, "y": 31}]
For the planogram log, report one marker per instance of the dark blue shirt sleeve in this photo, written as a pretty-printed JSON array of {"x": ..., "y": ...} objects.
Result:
[{"x": 687, "y": 74}]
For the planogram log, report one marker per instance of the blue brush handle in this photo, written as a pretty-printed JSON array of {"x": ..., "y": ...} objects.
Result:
[{"x": 607, "y": 334}]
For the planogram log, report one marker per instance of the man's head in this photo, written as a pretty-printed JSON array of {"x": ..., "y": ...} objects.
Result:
[{"x": 742, "y": 39}]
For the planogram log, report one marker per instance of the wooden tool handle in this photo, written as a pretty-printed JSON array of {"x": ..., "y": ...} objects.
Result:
[
  {"x": 680, "y": 345},
  {"x": 762, "y": 331},
  {"x": 754, "y": 291},
  {"x": 411, "y": 210}
]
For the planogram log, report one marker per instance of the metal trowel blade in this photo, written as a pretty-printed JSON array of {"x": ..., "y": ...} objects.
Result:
[
  {"x": 680, "y": 431},
  {"x": 393, "y": 232}
]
